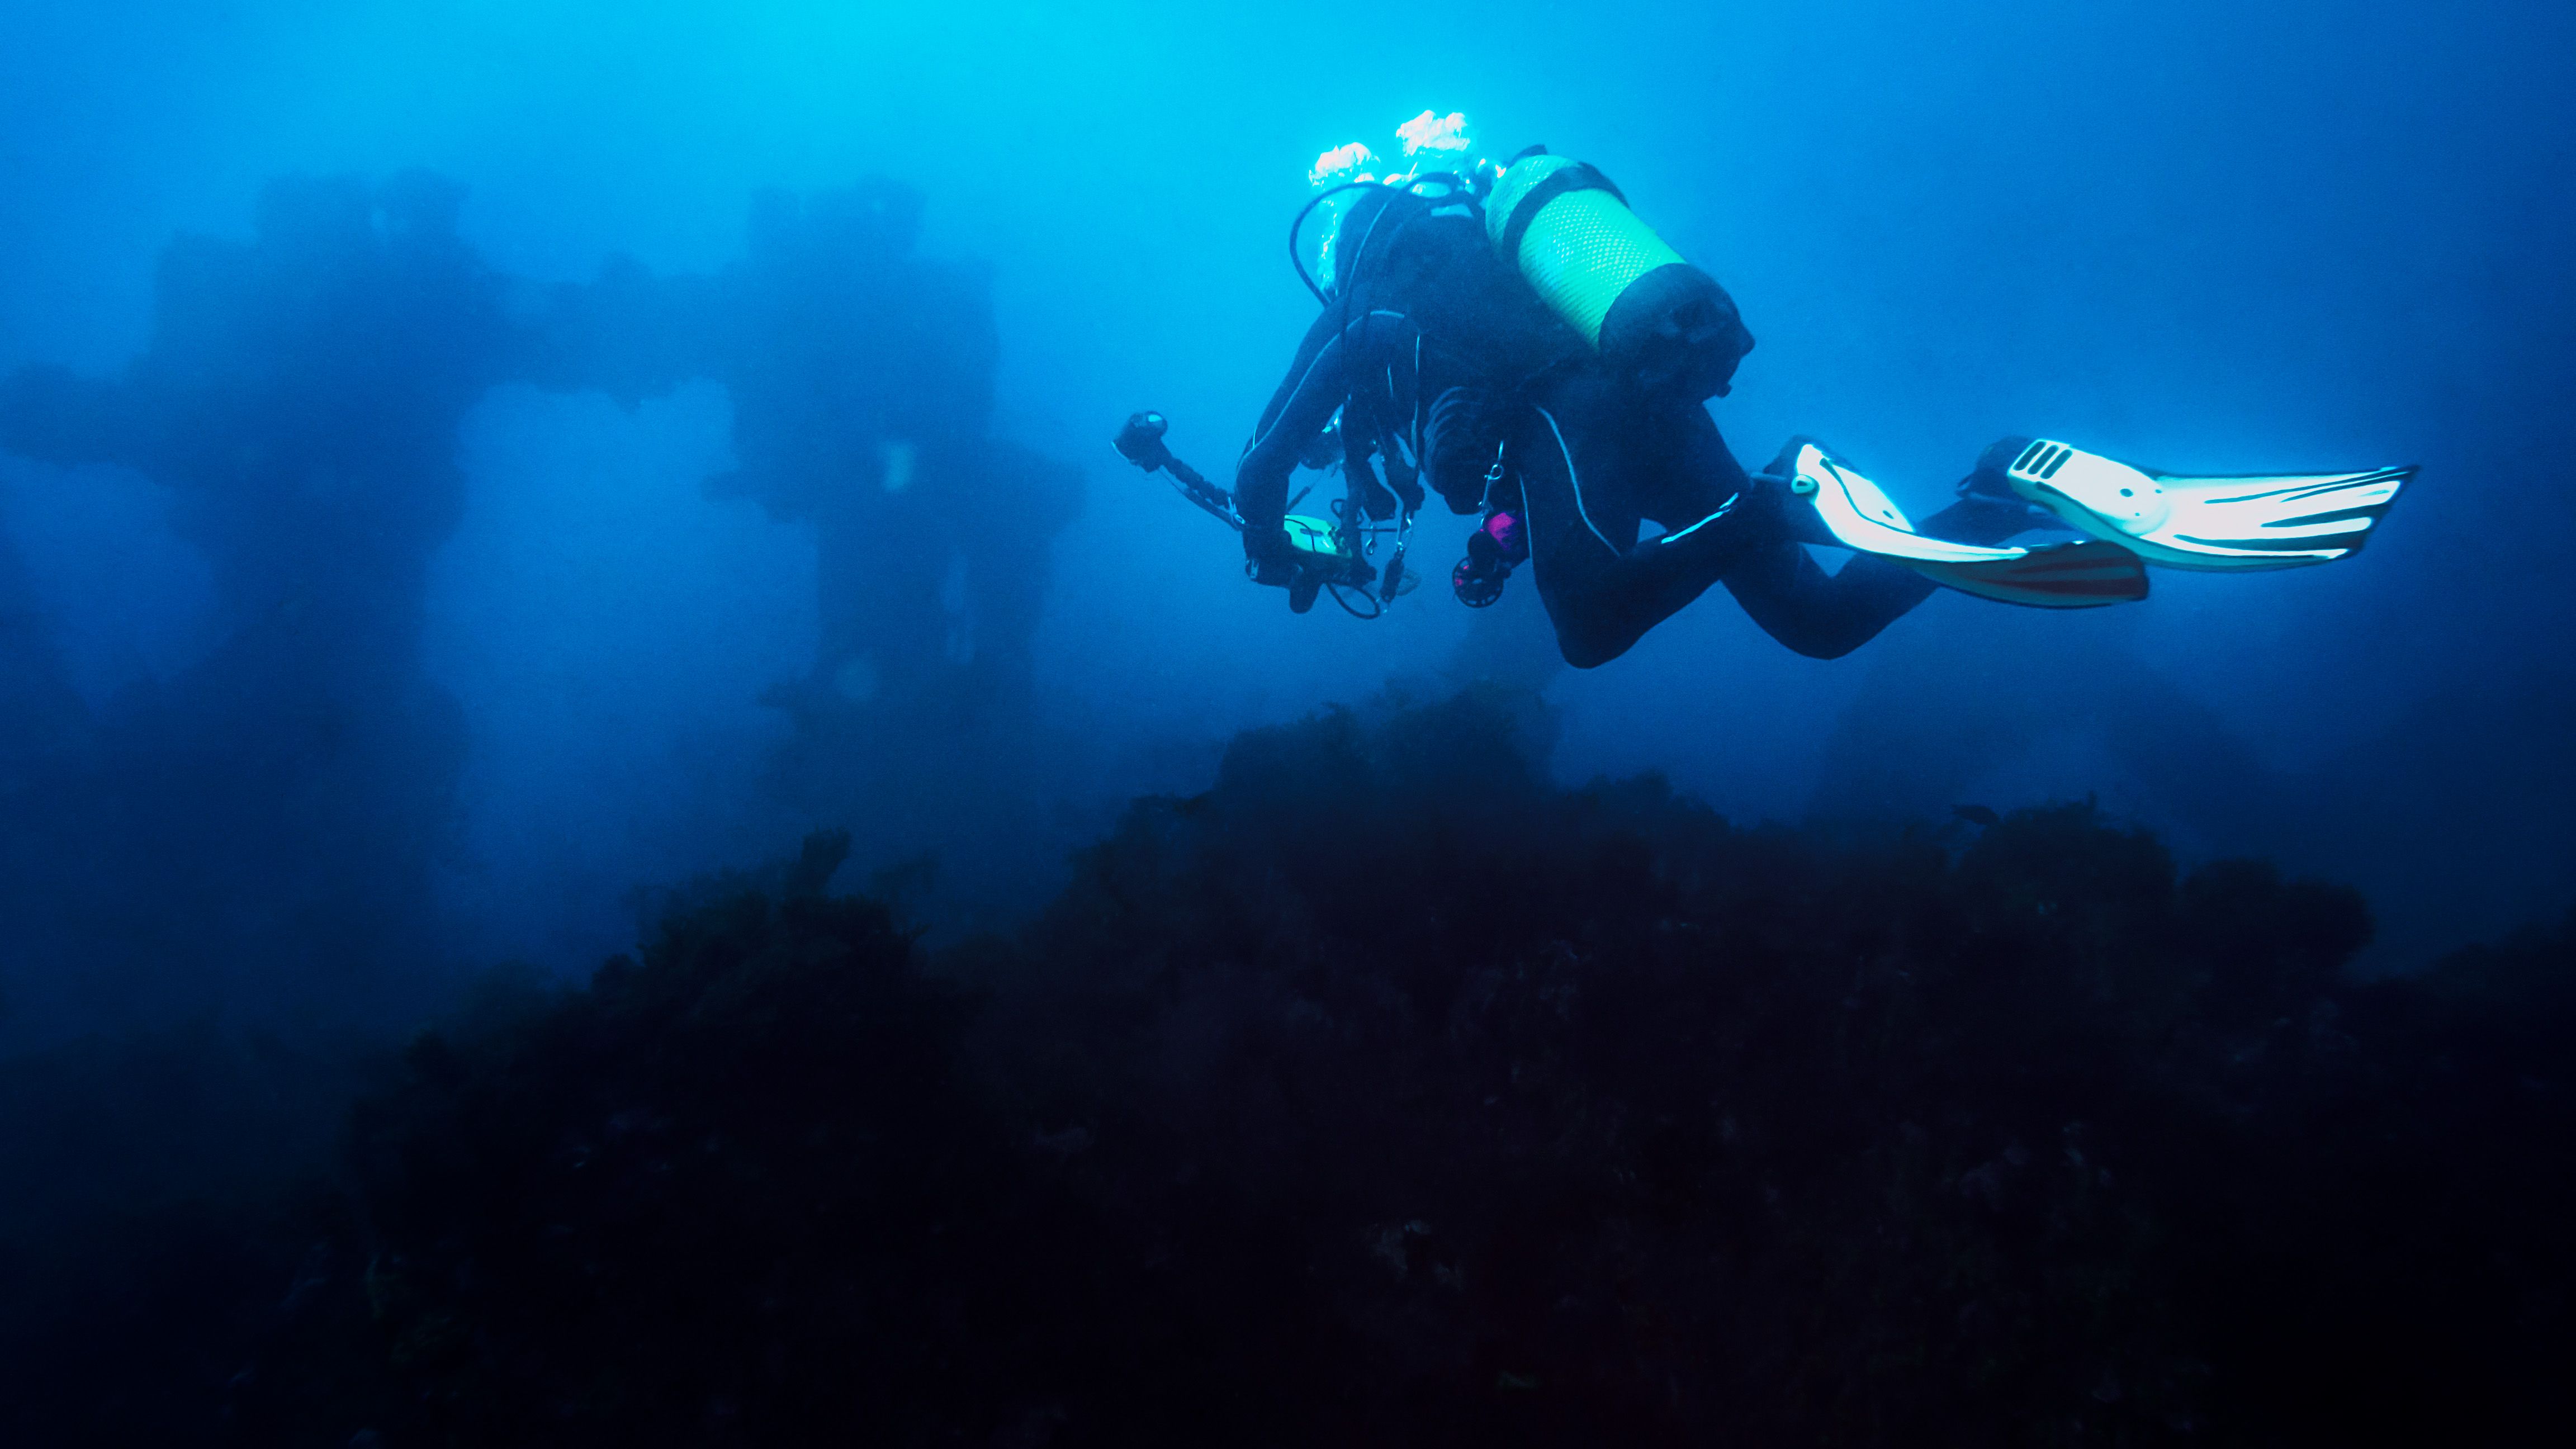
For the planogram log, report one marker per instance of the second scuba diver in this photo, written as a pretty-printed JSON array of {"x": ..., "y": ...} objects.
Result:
[{"x": 1515, "y": 340}]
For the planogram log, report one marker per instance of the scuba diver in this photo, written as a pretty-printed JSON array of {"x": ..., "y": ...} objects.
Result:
[{"x": 1515, "y": 340}]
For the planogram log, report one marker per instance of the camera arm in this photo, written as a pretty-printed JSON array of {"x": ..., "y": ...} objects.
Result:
[{"x": 1141, "y": 443}]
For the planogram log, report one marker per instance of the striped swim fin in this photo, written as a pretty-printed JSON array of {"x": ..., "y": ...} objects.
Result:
[{"x": 2083, "y": 575}]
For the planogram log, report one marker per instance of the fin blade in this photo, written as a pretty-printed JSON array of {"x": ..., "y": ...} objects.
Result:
[
  {"x": 2086, "y": 575},
  {"x": 2273, "y": 522}
]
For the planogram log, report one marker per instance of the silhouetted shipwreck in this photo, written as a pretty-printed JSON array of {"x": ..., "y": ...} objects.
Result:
[{"x": 300, "y": 398}]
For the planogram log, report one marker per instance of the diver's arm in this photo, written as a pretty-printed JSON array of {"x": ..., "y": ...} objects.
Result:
[
  {"x": 1318, "y": 334},
  {"x": 1299, "y": 410}
]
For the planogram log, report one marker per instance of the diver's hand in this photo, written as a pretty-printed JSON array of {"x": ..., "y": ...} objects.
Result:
[
  {"x": 1989, "y": 509},
  {"x": 1272, "y": 557},
  {"x": 1274, "y": 561}
]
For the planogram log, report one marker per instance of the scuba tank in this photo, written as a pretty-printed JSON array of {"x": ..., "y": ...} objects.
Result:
[{"x": 1653, "y": 318}]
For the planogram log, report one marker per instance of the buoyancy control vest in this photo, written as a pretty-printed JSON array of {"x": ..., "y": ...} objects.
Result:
[
  {"x": 1653, "y": 318},
  {"x": 1426, "y": 261}
]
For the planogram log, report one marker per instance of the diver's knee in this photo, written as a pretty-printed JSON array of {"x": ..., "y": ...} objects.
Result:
[
  {"x": 1591, "y": 628},
  {"x": 1590, "y": 649},
  {"x": 1583, "y": 658},
  {"x": 1824, "y": 643}
]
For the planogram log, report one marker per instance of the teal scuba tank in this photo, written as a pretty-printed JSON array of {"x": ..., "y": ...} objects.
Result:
[{"x": 1652, "y": 317}]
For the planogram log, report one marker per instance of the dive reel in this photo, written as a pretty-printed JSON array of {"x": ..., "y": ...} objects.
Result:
[{"x": 1325, "y": 554}]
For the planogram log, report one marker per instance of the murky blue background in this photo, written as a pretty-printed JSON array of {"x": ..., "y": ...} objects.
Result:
[{"x": 2200, "y": 236}]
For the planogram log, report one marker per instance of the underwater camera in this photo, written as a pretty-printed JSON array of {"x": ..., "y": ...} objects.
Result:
[{"x": 1326, "y": 552}]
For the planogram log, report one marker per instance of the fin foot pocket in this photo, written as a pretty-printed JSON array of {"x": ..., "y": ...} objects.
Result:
[{"x": 1863, "y": 518}]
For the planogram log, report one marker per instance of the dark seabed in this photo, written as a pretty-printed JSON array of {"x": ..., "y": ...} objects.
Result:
[{"x": 488, "y": 491}]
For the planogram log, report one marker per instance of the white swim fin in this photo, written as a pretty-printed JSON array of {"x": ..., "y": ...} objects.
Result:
[
  {"x": 2222, "y": 524},
  {"x": 2053, "y": 576},
  {"x": 1861, "y": 517}
]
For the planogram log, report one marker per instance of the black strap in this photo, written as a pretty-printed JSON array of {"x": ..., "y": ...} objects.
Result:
[{"x": 1578, "y": 177}]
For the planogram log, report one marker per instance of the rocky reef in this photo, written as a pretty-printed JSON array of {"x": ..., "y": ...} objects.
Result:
[{"x": 1390, "y": 1093}]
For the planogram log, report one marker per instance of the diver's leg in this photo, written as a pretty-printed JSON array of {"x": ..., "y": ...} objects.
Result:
[
  {"x": 1822, "y": 615},
  {"x": 1825, "y": 616},
  {"x": 1581, "y": 455},
  {"x": 1692, "y": 474}
]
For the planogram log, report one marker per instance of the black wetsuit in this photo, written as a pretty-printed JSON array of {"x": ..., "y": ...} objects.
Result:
[{"x": 1432, "y": 311}]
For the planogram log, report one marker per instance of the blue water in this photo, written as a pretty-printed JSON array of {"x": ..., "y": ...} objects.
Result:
[{"x": 2203, "y": 236}]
